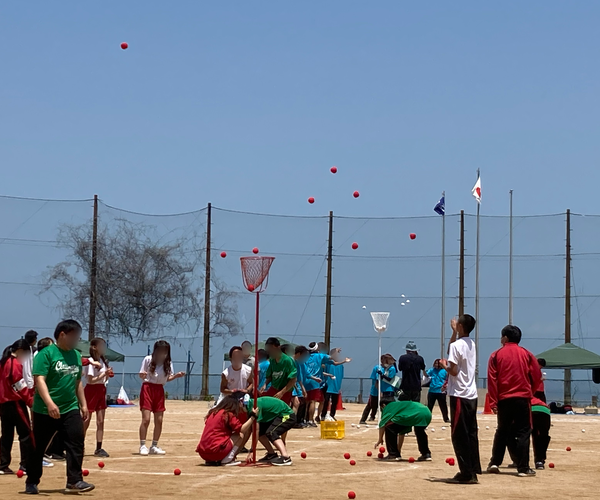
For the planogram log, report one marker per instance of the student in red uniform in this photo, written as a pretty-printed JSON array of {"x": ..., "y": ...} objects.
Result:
[
  {"x": 95, "y": 391},
  {"x": 513, "y": 376},
  {"x": 15, "y": 397},
  {"x": 225, "y": 432},
  {"x": 156, "y": 370}
]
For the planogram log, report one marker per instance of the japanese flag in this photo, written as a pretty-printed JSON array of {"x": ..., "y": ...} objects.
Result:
[{"x": 476, "y": 191}]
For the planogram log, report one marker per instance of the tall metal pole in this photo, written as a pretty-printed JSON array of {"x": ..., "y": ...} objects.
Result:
[
  {"x": 477, "y": 296},
  {"x": 443, "y": 321},
  {"x": 567, "y": 388},
  {"x": 207, "y": 282},
  {"x": 255, "y": 382},
  {"x": 510, "y": 263},
  {"x": 461, "y": 270},
  {"x": 94, "y": 273},
  {"x": 329, "y": 286}
]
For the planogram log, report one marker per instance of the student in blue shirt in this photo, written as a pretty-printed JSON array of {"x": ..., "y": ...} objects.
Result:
[
  {"x": 263, "y": 365},
  {"x": 334, "y": 384},
  {"x": 387, "y": 371},
  {"x": 299, "y": 392},
  {"x": 438, "y": 377}
]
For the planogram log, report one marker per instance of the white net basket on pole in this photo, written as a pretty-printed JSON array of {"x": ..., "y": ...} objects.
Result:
[{"x": 380, "y": 321}]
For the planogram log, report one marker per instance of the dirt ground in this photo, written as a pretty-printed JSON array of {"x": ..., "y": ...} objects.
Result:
[{"x": 324, "y": 474}]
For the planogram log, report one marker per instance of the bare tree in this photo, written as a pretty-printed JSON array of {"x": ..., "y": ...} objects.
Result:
[{"x": 145, "y": 289}]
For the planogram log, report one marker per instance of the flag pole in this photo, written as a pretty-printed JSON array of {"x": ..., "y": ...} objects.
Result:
[
  {"x": 477, "y": 292},
  {"x": 442, "y": 339},
  {"x": 510, "y": 263}
]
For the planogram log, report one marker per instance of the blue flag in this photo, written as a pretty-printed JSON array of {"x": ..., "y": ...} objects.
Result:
[{"x": 440, "y": 208}]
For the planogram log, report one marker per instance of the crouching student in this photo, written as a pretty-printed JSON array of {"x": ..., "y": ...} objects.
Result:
[
  {"x": 397, "y": 419},
  {"x": 226, "y": 430},
  {"x": 275, "y": 418}
]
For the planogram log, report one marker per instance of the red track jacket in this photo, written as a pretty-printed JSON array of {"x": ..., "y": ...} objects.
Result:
[
  {"x": 12, "y": 385},
  {"x": 513, "y": 372}
]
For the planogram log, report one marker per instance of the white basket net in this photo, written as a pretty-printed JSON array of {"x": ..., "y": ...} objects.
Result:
[{"x": 380, "y": 321}]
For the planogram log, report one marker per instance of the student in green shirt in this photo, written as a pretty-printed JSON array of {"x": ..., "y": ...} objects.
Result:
[
  {"x": 281, "y": 374},
  {"x": 59, "y": 407},
  {"x": 397, "y": 419},
  {"x": 275, "y": 418}
]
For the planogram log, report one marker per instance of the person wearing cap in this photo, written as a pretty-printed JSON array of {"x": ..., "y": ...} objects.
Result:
[{"x": 411, "y": 365}]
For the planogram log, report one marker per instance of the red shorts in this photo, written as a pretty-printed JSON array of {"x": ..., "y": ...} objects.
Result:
[
  {"x": 314, "y": 395},
  {"x": 287, "y": 397},
  {"x": 95, "y": 395},
  {"x": 152, "y": 397},
  {"x": 215, "y": 455}
]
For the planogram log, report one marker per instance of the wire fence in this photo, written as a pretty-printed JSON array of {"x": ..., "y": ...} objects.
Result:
[{"x": 388, "y": 271}]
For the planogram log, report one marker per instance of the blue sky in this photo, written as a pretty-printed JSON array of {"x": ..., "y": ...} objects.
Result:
[{"x": 248, "y": 105}]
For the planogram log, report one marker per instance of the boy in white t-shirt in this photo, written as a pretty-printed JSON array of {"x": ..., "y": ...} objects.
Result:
[
  {"x": 462, "y": 389},
  {"x": 236, "y": 377}
]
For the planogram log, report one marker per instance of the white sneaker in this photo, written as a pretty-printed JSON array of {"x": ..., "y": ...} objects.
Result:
[
  {"x": 47, "y": 464},
  {"x": 155, "y": 450},
  {"x": 144, "y": 451}
]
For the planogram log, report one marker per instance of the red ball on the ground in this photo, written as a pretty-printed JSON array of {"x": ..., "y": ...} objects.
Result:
[
  {"x": 551, "y": 465},
  {"x": 380, "y": 456},
  {"x": 451, "y": 462},
  {"x": 255, "y": 250},
  {"x": 124, "y": 45},
  {"x": 369, "y": 453},
  {"x": 101, "y": 465},
  {"x": 351, "y": 494},
  {"x": 333, "y": 170},
  {"x": 303, "y": 455},
  {"x": 568, "y": 448},
  {"x": 223, "y": 255},
  {"x": 412, "y": 236},
  {"x": 177, "y": 472},
  {"x": 20, "y": 473},
  {"x": 250, "y": 288},
  {"x": 347, "y": 456},
  {"x": 411, "y": 460},
  {"x": 356, "y": 194},
  {"x": 382, "y": 450},
  {"x": 85, "y": 472},
  {"x": 311, "y": 200},
  {"x": 354, "y": 246},
  {"x": 447, "y": 460},
  {"x": 352, "y": 462}
]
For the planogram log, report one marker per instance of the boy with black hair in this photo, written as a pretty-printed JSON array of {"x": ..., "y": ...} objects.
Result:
[
  {"x": 513, "y": 376},
  {"x": 462, "y": 389},
  {"x": 281, "y": 374},
  {"x": 397, "y": 419},
  {"x": 59, "y": 406},
  {"x": 540, "y": 392}
]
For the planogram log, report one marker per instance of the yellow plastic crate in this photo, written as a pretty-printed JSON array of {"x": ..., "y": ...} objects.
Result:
[{"x": 333, "y": 430}]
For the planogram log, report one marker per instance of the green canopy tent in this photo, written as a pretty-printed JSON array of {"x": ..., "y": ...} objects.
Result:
[
  {"x": 261, "y": 345},
  {"x": 570, "y": 356},
  {"x": 113, "y": 356}
]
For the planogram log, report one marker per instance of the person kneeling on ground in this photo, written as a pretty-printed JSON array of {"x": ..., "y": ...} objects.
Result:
[
  {"x": 397, "y": 419},
  {"x": 275, "y": 418},
  {"x": 224, "y": 433}
]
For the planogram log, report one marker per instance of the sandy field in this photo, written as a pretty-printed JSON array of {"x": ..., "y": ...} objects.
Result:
[{"x": 324, "y": 474}]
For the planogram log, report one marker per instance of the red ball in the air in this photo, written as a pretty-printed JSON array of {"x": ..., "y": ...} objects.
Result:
[
  {"x": 354, "y": 246},
  {"x": 333, "y": 170},
  {"x": 382, "y": 450},
  {"x": 311, "y": 200},
  {"x": 250, "y": 288},
  {"x": 369, "y": 453},
  {"x": 347, "y": 456},
  {"x": 255, "y": 250},
  {"x": 411, "y": 460},
  {"x": 356, "y": 194},
  {"x": 177, "y": 472},
  {"x": 303, "y": 455},
  {"x": 85, "y": 472},
  {"x": 20, "y": 473},
  {"x": 223, "y": 255},
  {"x": 124, "y": 45},
  {"x": 101, "y": 465},
  {"x": 380, "y": 456},
  {"x": 352, "y": 462},
  {"x": 413, "y": 236},
  {"x": 551, "y": 465}
]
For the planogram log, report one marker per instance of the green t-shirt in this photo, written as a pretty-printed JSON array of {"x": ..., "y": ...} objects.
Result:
[
  {"x": 406, "y": 413},
  {"x": 62, "y": 370},
  {"x": 541, "y": 409},
  {"x": 270, "y": 408},
  {"x": 281, "y": 373}
]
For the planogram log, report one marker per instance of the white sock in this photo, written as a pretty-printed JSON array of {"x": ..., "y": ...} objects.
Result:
[{"x": 229, "y": 458}]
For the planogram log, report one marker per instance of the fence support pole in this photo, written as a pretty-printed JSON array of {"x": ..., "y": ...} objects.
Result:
[
  {"x": 94, "y": 272},
  {"x": 461, "y": 271},
  {"x": 567, "y": 386},
  {"x": 329, "y": 285},
  {"x": 206, "y": 343}
]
